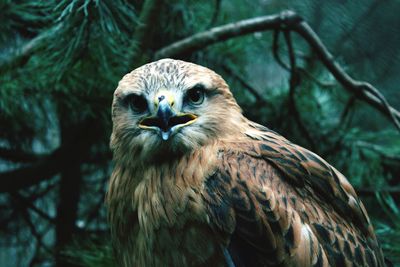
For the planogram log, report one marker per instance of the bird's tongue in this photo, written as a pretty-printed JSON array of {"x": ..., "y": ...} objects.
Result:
[{"x": 165, "y": 135}]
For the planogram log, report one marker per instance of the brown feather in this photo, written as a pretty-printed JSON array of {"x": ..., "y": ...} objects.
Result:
[{"x": 328, "y": 208}]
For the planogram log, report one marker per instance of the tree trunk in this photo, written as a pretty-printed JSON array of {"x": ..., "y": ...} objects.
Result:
[{"x": 69, "y": 193}]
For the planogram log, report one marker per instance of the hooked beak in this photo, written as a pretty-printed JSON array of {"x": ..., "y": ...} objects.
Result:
[{"x": 166, "y": 120}]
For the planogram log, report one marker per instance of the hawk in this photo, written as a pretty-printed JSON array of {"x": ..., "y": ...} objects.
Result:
[{"x": 195, "y": 183}]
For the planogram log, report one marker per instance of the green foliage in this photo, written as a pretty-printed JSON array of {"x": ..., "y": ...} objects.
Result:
[
  {"x": 16, "y": 15},
  {"x": 389, "y": 231},
  {"x": 90, "y": 253},
  {"x": 92, "y": 37}
]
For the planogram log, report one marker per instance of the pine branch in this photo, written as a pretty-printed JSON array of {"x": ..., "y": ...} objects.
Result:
[
  {"x": 290, "y": 21},
  {"x": 20, "y": 55}
]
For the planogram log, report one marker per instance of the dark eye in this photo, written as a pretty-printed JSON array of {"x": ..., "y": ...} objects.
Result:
[
  {"x": 196, "y": 94},
  {"x": 136, "y": 102}
]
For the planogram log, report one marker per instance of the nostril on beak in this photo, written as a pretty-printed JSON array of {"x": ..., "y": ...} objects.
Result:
[{"x": 161, "y": 98}]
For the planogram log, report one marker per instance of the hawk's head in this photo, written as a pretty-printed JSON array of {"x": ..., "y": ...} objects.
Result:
[{"x": 170, "y": 107}]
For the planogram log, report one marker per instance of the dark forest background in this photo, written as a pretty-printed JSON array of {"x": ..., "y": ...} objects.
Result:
[{"x": 60, "y": 62}]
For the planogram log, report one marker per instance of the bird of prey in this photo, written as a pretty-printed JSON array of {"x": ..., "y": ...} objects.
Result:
[{"x": 195, "y": 183}]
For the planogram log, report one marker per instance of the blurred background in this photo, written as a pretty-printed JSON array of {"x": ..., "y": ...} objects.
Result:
[{"x": 60, "y": 62}]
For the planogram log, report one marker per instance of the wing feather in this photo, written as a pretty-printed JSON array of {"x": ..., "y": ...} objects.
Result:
[{"x": 276, "y": 203}]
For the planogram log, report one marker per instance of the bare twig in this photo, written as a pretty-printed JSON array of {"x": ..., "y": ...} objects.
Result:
[
  {"x": 371, "y": 191},
  {"x": 321, "y": 84},
  {"x": 35, "y": 233},
  {"x": 363, "y": 90},
  {"x": 18, "y": 199},
  {"x": 275, "y": 50},
  {"x": 245, "y": 84},
  {"x": 350, "y": 103},
  {"x": 290, "y": 21},
  {"x": 275, "y": 53},
  {"x": 294, "y": 82},
  {"x": 27, "y": 203},
  {"x": 215, "y": 14},
  {"x": 221, "y": 33},
  {"x": 379, "y": 150}
]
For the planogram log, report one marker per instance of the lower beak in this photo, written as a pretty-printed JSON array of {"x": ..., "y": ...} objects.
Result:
[{"x": 167, "y": 120}]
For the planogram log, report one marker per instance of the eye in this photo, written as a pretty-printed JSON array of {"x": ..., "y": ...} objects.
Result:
[
  {"x": 136, "y": 102},
  {"x": 196, "y": 94}
]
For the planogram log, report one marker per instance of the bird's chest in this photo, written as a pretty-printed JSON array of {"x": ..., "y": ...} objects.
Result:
[
  {"x": 158, "y": 215},
  {"x": 172, "y": 230},
  {"x": 191, "y": 245}
]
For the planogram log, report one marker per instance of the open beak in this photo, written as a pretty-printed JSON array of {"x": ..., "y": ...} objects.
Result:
[{"x": 166, "y": 120}]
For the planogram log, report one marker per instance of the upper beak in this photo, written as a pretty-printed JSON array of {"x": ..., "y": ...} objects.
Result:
[
  {"x": 166, "y": 119},
  {"x": 164, "y": 114}
]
